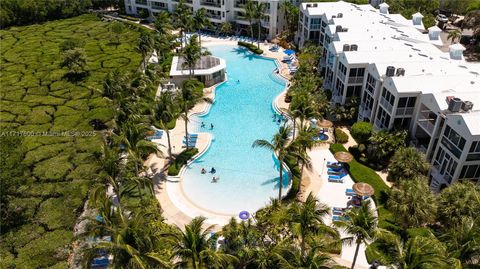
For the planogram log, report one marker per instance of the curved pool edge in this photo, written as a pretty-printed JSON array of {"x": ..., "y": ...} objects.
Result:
[{"x": 179, "y": 178}]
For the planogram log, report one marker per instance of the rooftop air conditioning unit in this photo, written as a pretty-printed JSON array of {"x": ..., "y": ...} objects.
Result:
[
  {"x": 346, "y": 47},
  {"x": 455, "y": 104},
  {"x": 354, "y": 47},
  {"x": 467, "y": 106},
  {"x": 340, "y": 15},
  {"x": 390, "y": 71},
  {"x": 338, "y": 28},
  {"x": 400, "y": 72}
]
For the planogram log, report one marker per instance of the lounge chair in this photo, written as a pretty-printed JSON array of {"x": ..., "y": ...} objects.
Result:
[
  {"x": 100, "y": 262},
  {"x": 338, "y": 211},
  {"x": 335, "y": 179},
  {"x": 349, "y": 192}
]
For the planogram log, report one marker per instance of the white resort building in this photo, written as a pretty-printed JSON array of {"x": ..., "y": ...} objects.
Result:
[
  {"x": 209, "y": 70},
  {"x": 402, "y": 79},
  {"x": 218, "y": 11}
]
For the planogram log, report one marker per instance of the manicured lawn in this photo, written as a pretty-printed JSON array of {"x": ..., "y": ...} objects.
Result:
[
  {"x": 34, "y": 96},
  {"x": 362, "y": 173}
]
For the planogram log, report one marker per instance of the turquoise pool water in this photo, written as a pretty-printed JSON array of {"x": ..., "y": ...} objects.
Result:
[{"x": 242, "y": 113}]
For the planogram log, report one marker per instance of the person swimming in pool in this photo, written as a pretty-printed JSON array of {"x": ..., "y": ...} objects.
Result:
[
  {"x": 203, "y": 124},
  {"x": 203, "y": 171},
  {"x": 238, "y": 81},
  {"x": 213, "y": 171},
  {"x": 215, "y": 179},
  {"x": 211, "y": 126}
]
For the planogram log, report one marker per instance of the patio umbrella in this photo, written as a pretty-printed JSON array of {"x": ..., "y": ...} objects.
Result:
[
  {"x": 325, "y": 123},
  {"x": 275, "y": 41},
  {"x": 343, "y": 157},
  {"x": 244, "y": 215},
  {"x": 289, "y": 52},
  {"x": 363, "y": 189}
]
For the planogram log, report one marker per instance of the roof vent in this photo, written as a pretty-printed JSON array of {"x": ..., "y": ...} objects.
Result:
[
  {"x": 390, "y": 71},
  {"x": 400, "y": 72},
  {"x": 354, "y": 47},
  {"x": 340, "y": 15},
  {"x": 455, "y": 104},
  {"x": 346, "y": 47},
  {"x": 338, "y": 28},
  {"x": 467, "y": 106}
]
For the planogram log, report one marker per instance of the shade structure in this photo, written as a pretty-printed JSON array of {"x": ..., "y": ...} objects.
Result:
[
  {"x": 363, "y": 189},
  {"x": 325, "y": 123},
  {"x": 289, "y": 52},
  {"x": 343, "y": 157}
]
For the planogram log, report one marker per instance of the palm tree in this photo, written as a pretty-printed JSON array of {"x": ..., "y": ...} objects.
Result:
[
  {"x": 280, "y": 146},
  {"x": 407, "y": 163},
  {"x": 413, "y": 203},
  {"x": 461, "y": 199},
  {"x": 226, "y": 28},
  {"x": 454, "y": 35},
  {"x": 250, "y": 14},
  {"x": 163, "y": 23},
  {"x": 306, "y": 218},
  {"x": 291, "y": 14},
  {"x": 191, "y": 54},
  {"x": 259, "y": 12},
  {"x": 361, "y": 225},
  {"x": 182, "y": 18},
  {"x": 113, "y": 168},
  {"x": 200, "y": 21},
  {"x": 292, "y": 258},
  {"x": 165, "y": 111},
  {"x": 74, "y": 60},
  {"x": 463, "y": 241},
  {"x": 416, "y": 252},
  {"x": 190, "y": 95},
  {"x": 145, "y": 44},
  {"x": 194, "y": 247}
]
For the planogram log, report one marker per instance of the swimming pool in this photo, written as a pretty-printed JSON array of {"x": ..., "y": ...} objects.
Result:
[{"x": 242, "y": 113}]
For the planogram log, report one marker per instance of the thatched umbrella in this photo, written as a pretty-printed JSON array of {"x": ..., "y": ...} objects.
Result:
[
  {"x": 275, "y": 41},
  {"x": 363, "y": 189},
  {"x": 343, "y": 157},
  {"x": 325, "y": 123}
]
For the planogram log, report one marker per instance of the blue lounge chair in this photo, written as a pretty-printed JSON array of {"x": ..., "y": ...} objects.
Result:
[
  {"x": 338, "y": 212},
  {"x": 335, "y": 179},
  {"x": 349, "y": 192},
  {"x": 100, "y": 262},
  {"x": 337, "y": 218}
]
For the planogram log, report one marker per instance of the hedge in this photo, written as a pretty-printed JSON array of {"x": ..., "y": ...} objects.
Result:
[
  {"x": 361, "y": 131},
  {"x": 181, "y": 160},
  {"x": 250, "y": 47},
  {"x": 361, "y": 173},
  {"x": 340, "y": 136},
  {"x": 296, "y": 178}
]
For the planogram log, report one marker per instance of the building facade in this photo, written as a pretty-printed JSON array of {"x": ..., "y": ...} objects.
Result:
[
  {"x": 402, "y": 80},
  {"x": 218, "y": 12}
]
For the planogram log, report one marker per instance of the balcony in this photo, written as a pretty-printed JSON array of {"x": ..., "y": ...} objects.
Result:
[
  {"x": 355, "y": 80},
  {"x": 141, "y": 2},
  {"x": 427, "y": 125},
  {"x": 404, "y": 111},
  {"x": 366, "y": 112},
  {"x": 214, "y": 16},
  {"x": 386, "y": 105},
  {"x": 211, "y": 3},
  {"x": 341, "y": 76},
  {"x": 239, "y": 4}
]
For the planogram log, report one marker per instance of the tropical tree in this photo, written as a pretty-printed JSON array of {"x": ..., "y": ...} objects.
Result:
[
  {"x": 383, "y": 144},
  {"x": 191, "y": 54},
  {"x": 117, "y": 28},
  {"x": 145, "y": 45},
  {"x": 226, "y": 28},
  {"x": 362, "y": 131},
  {"x": 461, "y": 199},
  {"x": 306, "y": 219},
  {"x": 454, "y": 35},
  {"x": 407, "y": 164},
  {"x": 74, "y": 60},
  {"x": 195, "y": 248},
  {"x": 463, "y": 241},
  {"x": 292, "y": 258},
  {"x": 182, "y": 18},
  {"x": 163, "y": 23},
  {"x": 200, "y": 21},
  {"x": 472, "y": 20},
  {"x": 166, "y": 110},
  {"x": 250, "y": 15},
  {"x": 416, "y": 252},
  {"x": 413, "y": 203},
  {"x": 291, "y": 14},
  {"x": 280, "y": 147},
  {"x": 361, "y": 226},
  {"x": 190, "y": 95},
  {"x": 259, "y": 14}
]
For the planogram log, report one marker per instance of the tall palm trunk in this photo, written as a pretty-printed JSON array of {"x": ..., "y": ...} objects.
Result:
[
  {"x": 251, "y": 30},
  {"x": 259, "y": 33},
  {"x": 281, "y": 180},
  {"x": 169, "y": 144},
  {"x": 199, "y": 38},
  {"x": 186, "y": 125},
  {"x": 294, "y": 127},
  {"x": 356, "y": 253}
]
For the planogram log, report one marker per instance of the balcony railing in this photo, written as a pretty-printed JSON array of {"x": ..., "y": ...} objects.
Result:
[
  {"x": 315, "y": 26},
  {"x": 404, "y": 111},
  {"x": 341, "y": 76},
  {"x": 427, "y": 126},
  {"x": 211, "y": 4},
  {"x": 355, "y": 80},
  {"x": 141, "y": 2},
  {"x": 386, "y": 104},
  {"x": 214, "y": 16}
]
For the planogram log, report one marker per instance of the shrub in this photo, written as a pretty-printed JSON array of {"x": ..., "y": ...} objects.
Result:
[
  {"x": 340, "y": 136},
  {"x": 250, "y": 47},
  {"x": 296, "y": 175},
  {"x": 181, "y": 160},
  {"x": 362, "y": 131}
]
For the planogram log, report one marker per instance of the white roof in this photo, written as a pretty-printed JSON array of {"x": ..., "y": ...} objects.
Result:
[
  {"x": 384, "y": 5},
  {"x": 456, "y": 46},
  {"x": 417, "y": 15},
  {"x": 207, "y": 65},
  {"x": 434, "y": 29}
]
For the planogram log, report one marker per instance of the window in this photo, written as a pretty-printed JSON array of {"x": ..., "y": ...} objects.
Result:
[
  {"x": 315, "y": 23},
  {"x": 388, "y": 96},
  {"x": 445, "y": 164},
  {"x": 314, "y": 35},
  {"x": 470, "y": 172},
  {"x": 367, "y": 101},
  {"x": 354, "y": 91},
  {"x": 383, "y": 118},
  {"x": 339, "y": 87},
  {"x": 342, "y": 71},
  {"x": 474, "y": 152},
  {"x": 453, "y": 141},
  {"x": 357, "y": 72},
  {"x": 159, "y": 5},
  {"x": 402, "y": 123},
  {"x": 371, "y": 84},
  {"x": 407, "y": 101}
]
